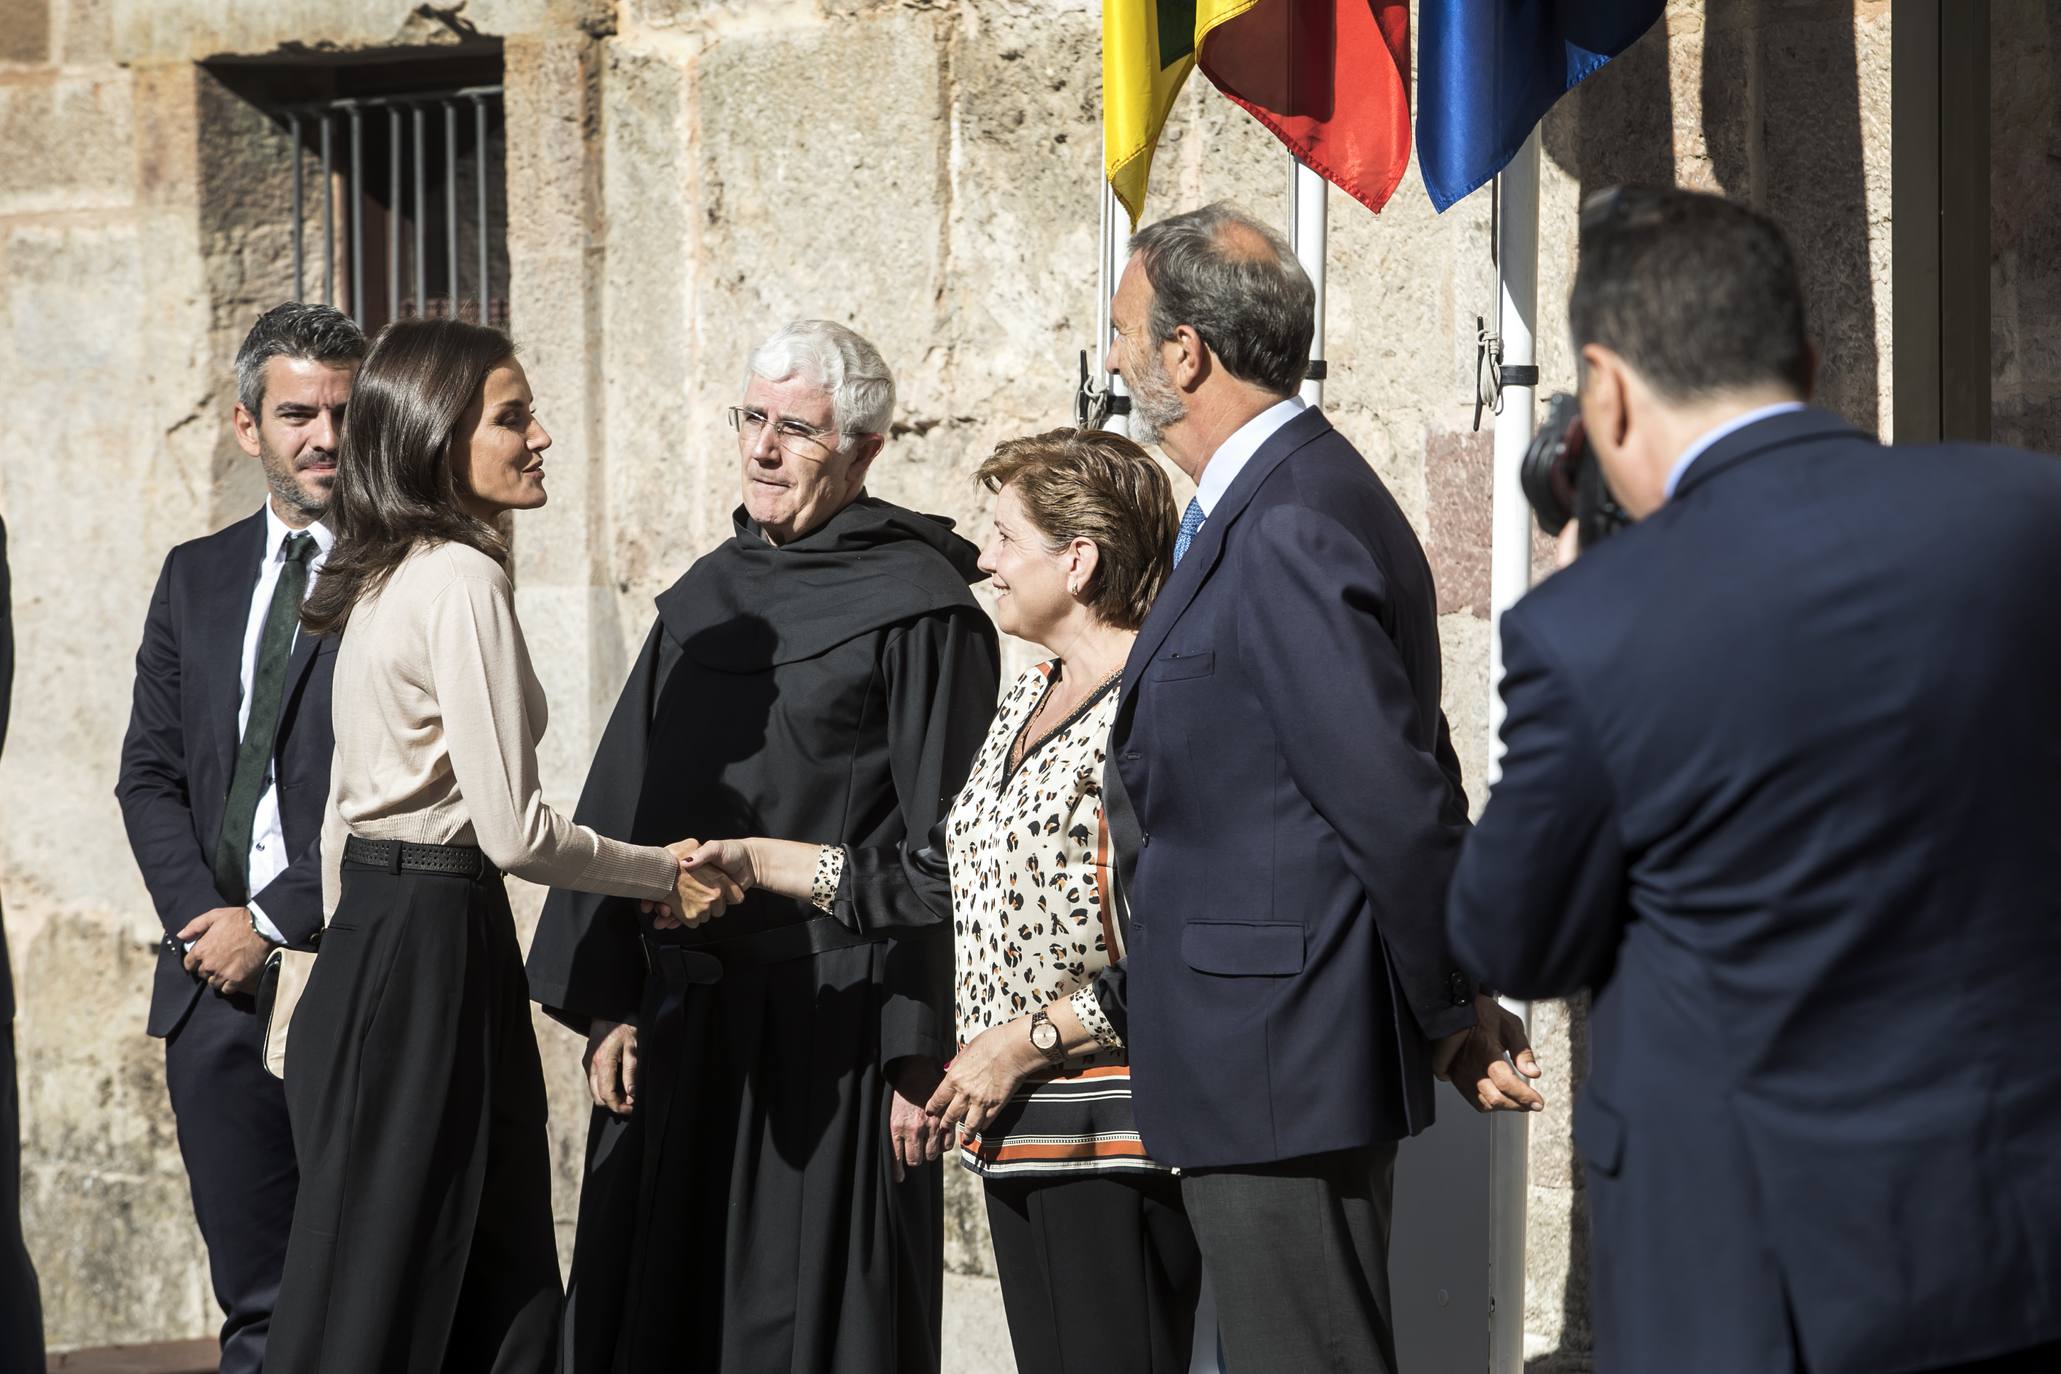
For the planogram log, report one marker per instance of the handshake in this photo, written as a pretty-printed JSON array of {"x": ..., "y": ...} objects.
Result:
[{"x": 713, "y": 878}]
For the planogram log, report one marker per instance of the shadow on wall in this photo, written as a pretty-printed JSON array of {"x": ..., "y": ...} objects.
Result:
[
  {"x": 1779, "y": 107},
  {"x": 1780, "y": 128}
]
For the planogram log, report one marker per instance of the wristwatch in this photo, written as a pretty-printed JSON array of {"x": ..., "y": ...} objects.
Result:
[
  {"x": 269, "y": 941},
  {"x": 1044, "y": 1038}
]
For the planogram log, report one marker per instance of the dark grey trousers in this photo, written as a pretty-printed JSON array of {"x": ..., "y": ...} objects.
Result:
[{"x": 1297, "y": 1254}]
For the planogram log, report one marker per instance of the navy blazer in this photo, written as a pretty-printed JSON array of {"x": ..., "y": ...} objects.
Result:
[
  {"x": 180, "y": 751},
  {"x": 1782, "y": 787},
  {"x": 1286, "y": 809},
  {"x": 6, "y": 701}
]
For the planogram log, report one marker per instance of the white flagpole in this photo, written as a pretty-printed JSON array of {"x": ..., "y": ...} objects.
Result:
[
  {"x": 1109, "y": 267},
  {"x": 1517, "y": 276},
  {"x": 1308, "y": 199}
]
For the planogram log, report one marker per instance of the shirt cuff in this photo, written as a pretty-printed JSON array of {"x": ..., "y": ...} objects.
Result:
[
  {"x": 829, "y": 873},
  {"x": 1093, "y": 1019},
  {"x": 262, "y": 923}
]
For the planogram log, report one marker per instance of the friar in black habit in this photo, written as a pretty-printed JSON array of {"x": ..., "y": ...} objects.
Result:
[{"x": 758, "y": 1194}]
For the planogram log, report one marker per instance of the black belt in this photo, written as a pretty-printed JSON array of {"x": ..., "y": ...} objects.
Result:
[
  {"x": 398, "y": 856},
  {"x": 704, "y": 961}
]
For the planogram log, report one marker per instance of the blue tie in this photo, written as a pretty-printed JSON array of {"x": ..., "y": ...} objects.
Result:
[{"x": 1191, "y": 521}]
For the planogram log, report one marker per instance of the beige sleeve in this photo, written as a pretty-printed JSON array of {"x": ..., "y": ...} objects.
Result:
[
  {"x": 477, "y": 661},
  {"x": 334, "y": 832}
]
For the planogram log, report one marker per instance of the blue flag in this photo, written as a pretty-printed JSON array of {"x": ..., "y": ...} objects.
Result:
[{"x": 1488, "y": 70}]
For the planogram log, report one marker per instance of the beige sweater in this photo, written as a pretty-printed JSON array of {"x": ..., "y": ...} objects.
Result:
[{"x": 437, "y": 716}]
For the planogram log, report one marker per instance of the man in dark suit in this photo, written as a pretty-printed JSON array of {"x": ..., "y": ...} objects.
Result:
[
  {"x": 225, "y": 773},
  {"x": 1286, "y": 808},
  {"x": 21, "y": 1304},
  {"x": 1783, "y": 766}
]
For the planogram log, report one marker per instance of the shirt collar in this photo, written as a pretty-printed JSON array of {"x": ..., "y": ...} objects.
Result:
[
  {"x": 1235, "y": 452},
  {"x": 276, "y": 531},
  {"x": 1704, "y": 441}
]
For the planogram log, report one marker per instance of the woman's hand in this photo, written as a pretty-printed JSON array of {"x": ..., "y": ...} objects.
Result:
[
  {"x": 986, "y": 1074},
  {"x": 729, "y": 859},
  {"x": 611, "y": 1064},
  {"x": 697, "y": 897}
]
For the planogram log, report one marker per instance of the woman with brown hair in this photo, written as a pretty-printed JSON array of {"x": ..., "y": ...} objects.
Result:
[{"x": 422, "y": 1237}]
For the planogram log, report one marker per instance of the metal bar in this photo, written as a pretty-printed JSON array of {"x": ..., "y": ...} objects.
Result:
[
  {"x": 421, "y": 220},
  {"x": 357, "y": 204},
  {"x": 328, "y": 211},
  {"x": 1308, "y": 200},
  {"x": 408, "y": 98},
  {"x": 293, "y": 133},
  {"x": 393, "y": 213},
  {"x": 1915, "y": 214},
  {"x": 479, "y": 162},
  {"x": 1964, "y": 223},
  {"x": 1517, "y": 271},
  {"x": 451, "y": 201}
]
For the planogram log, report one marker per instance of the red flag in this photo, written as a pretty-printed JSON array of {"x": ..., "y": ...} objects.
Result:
[{"x": 1331, "y": 78}]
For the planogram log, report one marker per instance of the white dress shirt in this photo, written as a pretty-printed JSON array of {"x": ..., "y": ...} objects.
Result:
[
  {"x": 1702, "y": 443},
  {"x": 268, "y": 856},
  {"x": 1235, "y": 452}
]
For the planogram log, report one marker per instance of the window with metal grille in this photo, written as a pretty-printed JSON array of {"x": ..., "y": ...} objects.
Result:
[{"x": 400, "y": 204}]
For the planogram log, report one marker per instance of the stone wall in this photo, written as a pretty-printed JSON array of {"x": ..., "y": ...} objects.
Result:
[{"x": 683, "y": 177}]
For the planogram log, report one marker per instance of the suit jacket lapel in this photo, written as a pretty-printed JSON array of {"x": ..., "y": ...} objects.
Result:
[
  {"x": 224, "y": 620},
  {"x": 1201, "y": 558}
]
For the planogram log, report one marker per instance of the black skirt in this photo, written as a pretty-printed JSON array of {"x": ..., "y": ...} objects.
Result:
[{"x": 422, "y": 1239}]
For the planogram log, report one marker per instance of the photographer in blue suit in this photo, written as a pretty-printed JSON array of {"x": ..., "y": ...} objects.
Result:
[{"x": 1782, "y": 778}]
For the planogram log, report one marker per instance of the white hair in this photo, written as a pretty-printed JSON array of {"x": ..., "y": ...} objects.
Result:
[{"x": 862, "y": 390}]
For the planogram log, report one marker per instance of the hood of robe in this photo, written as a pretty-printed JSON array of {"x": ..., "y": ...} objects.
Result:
[{"x": 749, "y": 605}]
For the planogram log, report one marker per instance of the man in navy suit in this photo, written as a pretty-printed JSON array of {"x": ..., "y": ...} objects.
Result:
[
  {"x": 225, "y": 774},
  {"x": 1782, "y": 777},
  {"x": 1286, "y": 809}
]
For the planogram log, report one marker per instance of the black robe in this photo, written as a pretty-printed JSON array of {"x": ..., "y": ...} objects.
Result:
[{"x": 745, "y": 1217}]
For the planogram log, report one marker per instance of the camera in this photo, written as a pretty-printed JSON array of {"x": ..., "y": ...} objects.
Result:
[{"x": 1563, "y": 481}]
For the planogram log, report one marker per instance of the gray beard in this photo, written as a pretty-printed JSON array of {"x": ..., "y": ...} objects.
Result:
[
  {"x": 279, "y": 478},
  {"x": 1155, "y": 405}
]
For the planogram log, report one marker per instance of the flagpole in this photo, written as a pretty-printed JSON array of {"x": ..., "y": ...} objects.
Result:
[
  {"x": 1115, "y": 251},
  {"x": 1308, "y": 200},
  {"x": 1517, "y": 279}
]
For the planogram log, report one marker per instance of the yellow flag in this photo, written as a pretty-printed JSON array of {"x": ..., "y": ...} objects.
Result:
[{"x": 1147, "y": 48}]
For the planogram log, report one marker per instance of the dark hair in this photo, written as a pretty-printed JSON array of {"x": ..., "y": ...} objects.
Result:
[
  {"x": 1698, "y": 294},
  {"x": 394, "y": 487},
  {"x": 319, "y": 333},
  {"x": 1097, "y": 485},
  {"x": 1237, "y": 283}
]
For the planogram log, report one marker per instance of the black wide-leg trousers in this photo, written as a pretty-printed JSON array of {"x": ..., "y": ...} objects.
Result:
[
  {"x": 422, "y": 1242},
  {"x": 238, "y": 1150},
  {"x": 21, "y": 1306},
  {"x": 1099, "y": 1272}
]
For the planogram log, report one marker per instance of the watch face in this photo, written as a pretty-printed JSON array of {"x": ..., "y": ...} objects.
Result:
[{"x": 1044, "y": 1035}]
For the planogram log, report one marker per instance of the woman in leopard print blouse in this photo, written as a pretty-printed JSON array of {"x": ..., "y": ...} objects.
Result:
[{"x": 1085, "y": 1224}]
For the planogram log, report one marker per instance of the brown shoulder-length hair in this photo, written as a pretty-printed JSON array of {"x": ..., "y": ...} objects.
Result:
[
  {"x": 1097, "y": 485},
  {"x": 394, "y": 486}
]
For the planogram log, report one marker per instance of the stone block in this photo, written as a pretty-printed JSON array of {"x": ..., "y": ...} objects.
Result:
[
  {"x": 843, "y": 219},
  {"x": 24, "y": 31},
  {"x": 102, "y": 1179},
  {"x": 70, "y": 143},
  {"x": 194, "y": 30},
  {"x": 976, "y": 1330}
]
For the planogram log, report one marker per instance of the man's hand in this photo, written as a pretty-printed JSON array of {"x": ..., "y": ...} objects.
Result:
[
  {"x": 611, "y": 1064},
  {"x": 226, "y": 952},
  {"x": 697, "y": 898},
  {"x": 914, "y": 1136},
  {"x": 1473, "y": 1061},
  {"x": 984, "y": 1075}
]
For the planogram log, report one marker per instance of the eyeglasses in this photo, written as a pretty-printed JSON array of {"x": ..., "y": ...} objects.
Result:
[{"x": 792, "y": 435}]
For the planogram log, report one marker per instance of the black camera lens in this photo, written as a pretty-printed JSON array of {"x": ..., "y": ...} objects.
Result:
[{"x": 1548, "y": 471}]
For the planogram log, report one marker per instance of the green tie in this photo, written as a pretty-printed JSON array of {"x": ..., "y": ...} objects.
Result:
[{"x": 261, "y": 730}]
